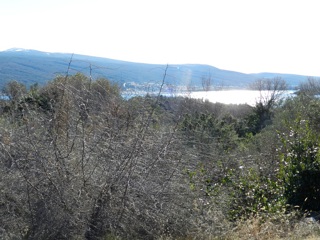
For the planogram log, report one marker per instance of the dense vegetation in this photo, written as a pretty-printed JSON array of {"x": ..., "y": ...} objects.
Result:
[{"x": 80, "y": 162}]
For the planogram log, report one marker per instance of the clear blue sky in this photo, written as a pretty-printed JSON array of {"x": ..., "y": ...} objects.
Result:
[{"x": 241, "y": 35}]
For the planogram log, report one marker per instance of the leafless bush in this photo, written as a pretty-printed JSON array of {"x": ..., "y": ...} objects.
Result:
[
  {"x": 311, "y": 87},
  {"x": 271, "y": 90},
  {"x": 81, "y": 163}
]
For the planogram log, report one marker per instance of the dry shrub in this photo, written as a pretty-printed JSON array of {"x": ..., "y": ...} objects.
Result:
[{"x": 275, "y": 227}]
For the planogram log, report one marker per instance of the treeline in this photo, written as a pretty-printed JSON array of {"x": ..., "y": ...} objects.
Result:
[{"x": 78, "y": 161}]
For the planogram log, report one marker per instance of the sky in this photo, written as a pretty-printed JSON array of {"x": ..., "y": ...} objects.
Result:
[{"x": 248, "y": 36}]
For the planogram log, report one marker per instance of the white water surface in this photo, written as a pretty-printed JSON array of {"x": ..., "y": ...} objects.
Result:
[{"x": 233, "y": 96}]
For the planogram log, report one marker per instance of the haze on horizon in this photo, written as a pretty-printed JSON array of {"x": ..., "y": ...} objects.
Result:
[{"x": 248, "y": 36}]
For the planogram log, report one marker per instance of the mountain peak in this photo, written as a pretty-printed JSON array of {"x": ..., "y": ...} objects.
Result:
[
  {"x": 25, "y": 51},
  {"x": 17, "y": 50}
]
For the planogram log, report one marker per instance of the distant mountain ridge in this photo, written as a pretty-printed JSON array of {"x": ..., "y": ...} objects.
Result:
[{"x": 31, "y": 66}]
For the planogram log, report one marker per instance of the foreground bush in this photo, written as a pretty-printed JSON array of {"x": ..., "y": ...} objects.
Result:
[{"x": 77, "y": 162}]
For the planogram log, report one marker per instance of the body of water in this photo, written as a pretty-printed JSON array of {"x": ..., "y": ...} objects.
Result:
[
  {"x": 250, "y": 97},
  {"x": 233, "y": 96}
]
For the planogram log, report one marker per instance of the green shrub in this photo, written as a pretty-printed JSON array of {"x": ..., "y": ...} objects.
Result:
[{"x": 300, "y": 166}]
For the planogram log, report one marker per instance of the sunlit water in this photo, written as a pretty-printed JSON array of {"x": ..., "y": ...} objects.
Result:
[
  {"x": 250, "y": 97},
  {"x": 233, "y": 96}
]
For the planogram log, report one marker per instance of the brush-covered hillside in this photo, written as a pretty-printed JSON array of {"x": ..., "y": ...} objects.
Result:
[{"x": 79, "y": 161}]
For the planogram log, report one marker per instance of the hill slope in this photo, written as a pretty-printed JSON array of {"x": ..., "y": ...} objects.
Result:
[{"x": 31, "y": 66}]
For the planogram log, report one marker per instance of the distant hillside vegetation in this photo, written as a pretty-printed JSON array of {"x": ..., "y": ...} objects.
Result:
[{"x": 31, "y": 66}]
